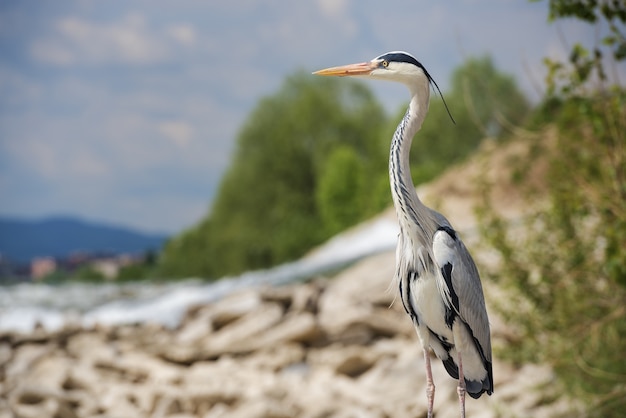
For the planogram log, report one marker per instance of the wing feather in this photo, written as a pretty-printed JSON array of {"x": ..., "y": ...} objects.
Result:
[{"x": 459, "y": 283}]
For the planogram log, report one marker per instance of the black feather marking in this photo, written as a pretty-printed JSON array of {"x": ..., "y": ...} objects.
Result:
[
  {"x": 446, "y": 272},
  {"x": 451, "y": 315},
  {"x": 486, "y": 385},
  {"x": 406, "y": 296},
  {"x": 406, "y": 308},
  {"x": 404, "y": 57},
  {"x": 451, "y": 367},
  {"x": 448, "y": 363},
  {"x": 449, "y": 231},
  {"x": 474, "y": 388}
]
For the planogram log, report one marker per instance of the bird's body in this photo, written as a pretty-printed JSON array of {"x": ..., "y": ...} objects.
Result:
[{"x": 438, "y": 281}]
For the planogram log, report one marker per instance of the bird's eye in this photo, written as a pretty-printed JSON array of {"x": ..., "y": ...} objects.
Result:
[{"x": 385, "y": 64}]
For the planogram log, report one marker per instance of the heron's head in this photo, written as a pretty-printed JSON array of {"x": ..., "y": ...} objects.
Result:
[{"x": 394, "y": 66}]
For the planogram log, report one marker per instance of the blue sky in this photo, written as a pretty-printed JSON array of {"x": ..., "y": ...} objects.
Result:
[{"x": 127, "y": 111}]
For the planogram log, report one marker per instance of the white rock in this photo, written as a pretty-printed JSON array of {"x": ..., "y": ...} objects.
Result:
[
  {"x": 241, "y": 336},
  {"x": 233, "y": 307}
]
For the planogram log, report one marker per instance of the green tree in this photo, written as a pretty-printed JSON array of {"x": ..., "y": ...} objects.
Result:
[
  {"x": 88, "y": 274},
  {"x": 491, "y": 99},
  {"x": 188, "y": 254},
  {"x": 266, "y": 210},
  {"x": 142, "y": 269},
  {"x": 340, "y": 192}
]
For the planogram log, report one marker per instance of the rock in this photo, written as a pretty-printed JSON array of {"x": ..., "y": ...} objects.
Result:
[
  {"x": 166, "y": 406},
  {"x": 347, "y": 312},
  {"x": 210, "y": 382},
  {"x": 184, "y": 354},
  {"x": 275, "y": 358},
  {"x": 81, "y": 377},
  {"x": 137, "y": 367},
  {"x": 49, "y": 373},
  {"x": 282, "y": 295},
  {"x": 197, "y": 327},
  {"x": 350, "y": 361},
  {"x": 334, "y": 347},
  {"x": 5, "y": 353},
  {"x": 5, "y": 411},
  {"x": 306, "y": 296},
  {"x": 24, "y": 357},
  {"x": 299, "y": 328},
  {"x": 120, "y": 400},
  {"x": 234, "y": 307},
  {"x": 40, "y": 402},
  {"x": 243, "y": 334}
]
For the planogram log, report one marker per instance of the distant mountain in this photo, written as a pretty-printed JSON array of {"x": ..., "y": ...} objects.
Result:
[{"x": 22, "y": 240}]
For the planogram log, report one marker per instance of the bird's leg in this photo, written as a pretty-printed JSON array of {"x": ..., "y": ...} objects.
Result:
[
  {"x": 430, "y": 386},
  {"x": 461, "y": 388}
]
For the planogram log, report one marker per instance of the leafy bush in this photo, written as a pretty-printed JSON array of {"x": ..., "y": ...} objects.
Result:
[{"x": 565, "y": 266}]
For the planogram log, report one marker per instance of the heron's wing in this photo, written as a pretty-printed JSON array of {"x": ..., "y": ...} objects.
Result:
[{"x": 459, "y": 284}]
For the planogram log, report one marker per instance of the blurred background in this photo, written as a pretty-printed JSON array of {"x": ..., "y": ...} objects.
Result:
[
  {"x": 128, "y": 112},
  {"x": 157, "y": 157}
]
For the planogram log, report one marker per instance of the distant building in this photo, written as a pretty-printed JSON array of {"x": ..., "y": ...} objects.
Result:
[
  {"x": 107, "y": 267},
  {"x": 110, "y": 267},
  {"x": 41, "y": 267}
]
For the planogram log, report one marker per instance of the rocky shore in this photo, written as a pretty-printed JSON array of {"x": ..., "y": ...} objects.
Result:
[{"x": 332, "y": 347}]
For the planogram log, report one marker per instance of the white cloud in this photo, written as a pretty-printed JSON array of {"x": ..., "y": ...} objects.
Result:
[
  {"x": 51, "y": 52},
  {"x": 56, "y": 161},
  {"x": 177, "y": 131},
  {"x": 86, "y": 164},
  {"x": 333, "y": 9},
  {"x": 40, "y": 156},
  {"x": 80, "y": 41},
  {"x": 183, "y": 33}
]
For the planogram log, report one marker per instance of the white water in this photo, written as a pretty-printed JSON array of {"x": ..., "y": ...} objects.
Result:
[{"x": 25, "y": 305}]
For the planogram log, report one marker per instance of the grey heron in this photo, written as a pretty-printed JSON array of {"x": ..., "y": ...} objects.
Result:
[{"x": 439, "y": 283}]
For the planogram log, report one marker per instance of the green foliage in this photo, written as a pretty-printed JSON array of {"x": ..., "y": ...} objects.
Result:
[
  {"x": 583, "y": 63},
  {"x": 565, "y": 266},
  {"x": 55, "y": 277},
  {"x": 88, "y": 274},
  {"x": 133, "y": 272},
  {"x": 188, "y": 254},
  {"x": 268, "y": 209},
  {"x": 341, "y": 190},
  {"x": 143, "y": 269},
  {"x": 491, "y": 99}
]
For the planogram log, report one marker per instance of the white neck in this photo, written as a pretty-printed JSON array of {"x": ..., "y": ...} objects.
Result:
[{"x": 405, "y": 198}]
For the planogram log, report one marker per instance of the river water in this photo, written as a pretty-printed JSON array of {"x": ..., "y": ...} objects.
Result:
[{"x": 22, "y": 306}]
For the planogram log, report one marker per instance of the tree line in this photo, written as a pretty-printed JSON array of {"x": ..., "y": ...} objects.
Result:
[{"x": 311, "y": 161}]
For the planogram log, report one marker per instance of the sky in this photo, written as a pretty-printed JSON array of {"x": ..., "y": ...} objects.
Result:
[{"x": 127, "y": 111}]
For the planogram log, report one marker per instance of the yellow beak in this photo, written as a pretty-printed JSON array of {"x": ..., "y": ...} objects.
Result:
[{"x": 363, "y": 68}]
